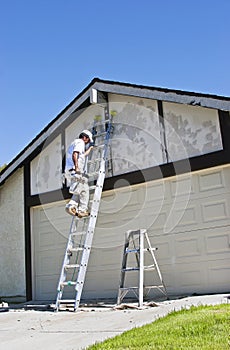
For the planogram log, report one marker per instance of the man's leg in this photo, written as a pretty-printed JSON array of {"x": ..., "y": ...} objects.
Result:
[
  {"x": 83, "y": 200},
  {"x": 72, "y": 207}
]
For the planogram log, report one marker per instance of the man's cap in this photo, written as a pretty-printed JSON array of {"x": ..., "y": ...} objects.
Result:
[{"x": 89, "y": 134}]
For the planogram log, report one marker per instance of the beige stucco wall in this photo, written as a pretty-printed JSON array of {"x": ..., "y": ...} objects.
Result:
[{"x": 12, "y": 257}]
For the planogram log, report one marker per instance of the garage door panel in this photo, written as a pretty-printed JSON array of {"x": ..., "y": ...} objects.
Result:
[
  {"x": 218, "y": 242},
  {"x": 49, "y": 262},
  {"x": 46, "y": 288},
  {"x": 218, "y": 275},
  {"x": 187, "y": 247},
  {"x": 216, "y": 209},
  {"x": 218, "y": 179}
]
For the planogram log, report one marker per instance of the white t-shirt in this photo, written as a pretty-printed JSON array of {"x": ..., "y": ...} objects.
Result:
[{"x": 78, "y": 145}]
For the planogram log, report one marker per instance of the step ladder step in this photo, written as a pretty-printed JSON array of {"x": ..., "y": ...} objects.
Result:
[
  {"x": 149, "y": 249},
  {"x": 132, "y": 250},
  {"x": 131, "y": 269},
  {"x": 149, "y": 268}
]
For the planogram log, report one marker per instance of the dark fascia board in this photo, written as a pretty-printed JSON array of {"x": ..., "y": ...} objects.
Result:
[
  {"x": 163, "y": 94},
  {"x": 156, "y": 93}
]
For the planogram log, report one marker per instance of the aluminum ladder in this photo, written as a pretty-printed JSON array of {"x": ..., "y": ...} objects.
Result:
[
  {"x": 138, "y": 243},
  {"x": 74, "y": 267}
]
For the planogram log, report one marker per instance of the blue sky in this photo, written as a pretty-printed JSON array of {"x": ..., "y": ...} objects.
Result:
[{"x": 51, "y": 49}]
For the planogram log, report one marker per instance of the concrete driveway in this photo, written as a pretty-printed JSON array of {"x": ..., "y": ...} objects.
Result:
[{"x": 25, "y": 329}]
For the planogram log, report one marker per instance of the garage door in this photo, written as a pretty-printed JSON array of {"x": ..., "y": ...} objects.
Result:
[
  {"x": 187, "y": 218},
  {"x": 50, "y": 231}
]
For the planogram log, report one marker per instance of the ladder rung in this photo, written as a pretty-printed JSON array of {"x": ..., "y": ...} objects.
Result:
[
  {"x": 94, "y": 161},
  {"x": 71, "y": 266},
  {"x": 131, "y": 269},
  {"x": 77, "y": 233},
  {"x": 93, "y": 173},
  {"x": 75, "y": 249},
  {"x": 101, "y": 134},
  {"x": 92, "y": 187},
  {"x": 99, "y": 146},
  {"x": 69, "y": 283},
  {"x": 66, "y": 301}
]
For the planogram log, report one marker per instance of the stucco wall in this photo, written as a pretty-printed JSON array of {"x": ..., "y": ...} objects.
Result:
[
  {"x": 191, "y": 130},
  {"x": 12, "y": 257},
  {"x": 46, "y": 168},
  {"x": 141, "y": 139}
]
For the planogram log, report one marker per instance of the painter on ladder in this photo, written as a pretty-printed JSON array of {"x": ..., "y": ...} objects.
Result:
[{"x": 76, "y": 174}]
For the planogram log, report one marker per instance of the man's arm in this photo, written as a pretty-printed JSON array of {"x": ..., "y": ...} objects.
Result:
[
  {"x": 75, "y": 156},
  {"x": 88, "y": 151}
]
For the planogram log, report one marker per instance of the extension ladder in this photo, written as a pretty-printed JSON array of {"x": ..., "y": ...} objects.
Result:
[
  {"x": 73, "y": 271},
  {"x": 137, "y": 243}
]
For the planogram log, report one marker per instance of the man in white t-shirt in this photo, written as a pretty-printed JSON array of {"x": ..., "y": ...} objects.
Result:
[{"x": 75, "y": 172}]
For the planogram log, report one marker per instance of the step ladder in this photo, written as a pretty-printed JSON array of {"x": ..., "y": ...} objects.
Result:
[
  {"x": 138, "y": 243},
  {"x": 74, "y": 267}
]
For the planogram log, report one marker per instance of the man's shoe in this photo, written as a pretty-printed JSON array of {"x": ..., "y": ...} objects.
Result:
[
  {"x": 83, "y": 214},
  {"x": 71, "y": 210}
]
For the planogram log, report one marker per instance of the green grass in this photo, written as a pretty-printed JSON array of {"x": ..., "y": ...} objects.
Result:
[{"x": 199, "y": 328}]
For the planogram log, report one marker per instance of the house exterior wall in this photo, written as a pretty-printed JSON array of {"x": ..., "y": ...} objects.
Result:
[
  {"x": 137, "y": 140},
  {"x": 187, "y": 216},
  {"x": 143, "y": 139},
  {"x": 12, "y": 257},
  {"x": 46, "y": 168},
  {"x": 191, "y": 130}
]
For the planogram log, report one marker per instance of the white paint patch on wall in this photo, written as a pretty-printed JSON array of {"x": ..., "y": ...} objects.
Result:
[
  {"x": 196, "y": 128},
  {"x": 46, "y": 169},
  {"x": 12, "y": 257},
  {"x": 136, "y": 141},
  {"x": 84, "y": 121}
]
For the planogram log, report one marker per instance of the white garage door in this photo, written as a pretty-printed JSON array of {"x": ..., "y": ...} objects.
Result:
[{"x": 187, "y": 219}]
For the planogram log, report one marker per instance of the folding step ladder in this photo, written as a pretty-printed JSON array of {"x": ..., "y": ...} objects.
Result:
[
  {"x": 81, "y": 233},
  {"x": 137, "y": 243}
]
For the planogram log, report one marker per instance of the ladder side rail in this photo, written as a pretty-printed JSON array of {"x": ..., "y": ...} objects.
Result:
[
  {"x": 153, "y": 256},
  {"x": 65, "y": 262},
  {"x": 141, "y": 267},
  {"x": 122, "y": 275},
  {"x": 79, "y": 282},
  {"x": 156, "y": 264},
  {"x": 136, "y": 250}
]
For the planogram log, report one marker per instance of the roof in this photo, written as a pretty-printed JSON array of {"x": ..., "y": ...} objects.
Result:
[{"x": 157, "y": 93}]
